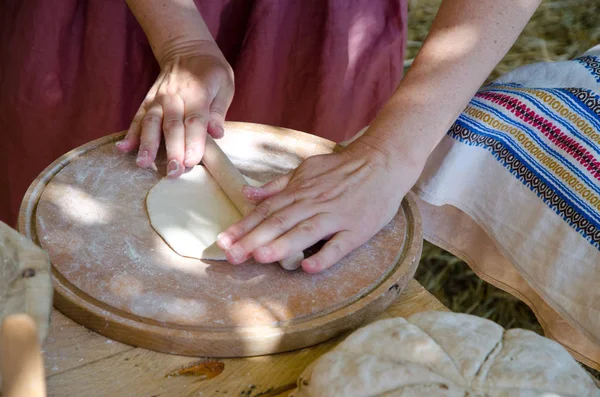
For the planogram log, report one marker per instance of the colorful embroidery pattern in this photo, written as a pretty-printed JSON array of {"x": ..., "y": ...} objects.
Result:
[
  {"x": 588, "y": 230},
  {"x": 549, "y": 139},
  {"x": 591, "y": 63}
]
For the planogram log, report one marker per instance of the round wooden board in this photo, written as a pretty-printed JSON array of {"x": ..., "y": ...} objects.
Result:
[{"x": 114, "y": 274}]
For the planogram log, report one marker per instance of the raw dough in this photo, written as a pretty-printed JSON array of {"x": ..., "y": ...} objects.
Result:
[{"x": 189, "y": 213}]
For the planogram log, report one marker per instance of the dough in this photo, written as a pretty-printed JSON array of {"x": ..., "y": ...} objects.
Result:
[
  {"x": 445, "y": 354},
  {"x": 189, "y": 213}
]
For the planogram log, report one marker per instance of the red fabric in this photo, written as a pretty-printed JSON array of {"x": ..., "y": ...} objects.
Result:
[{"x": 75, "y": 70}]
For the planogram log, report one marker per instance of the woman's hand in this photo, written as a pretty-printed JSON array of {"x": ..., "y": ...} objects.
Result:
[
  {"x": 347, "y": 197},
  {"x": 189, "y": 98}
]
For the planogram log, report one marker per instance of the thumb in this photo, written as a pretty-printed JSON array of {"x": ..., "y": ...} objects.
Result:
[
  {"x": 218, "y": 110},
  {"x": 257, "y": 194}
]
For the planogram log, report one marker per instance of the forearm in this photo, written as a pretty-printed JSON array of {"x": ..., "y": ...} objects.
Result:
[
  {"x": 466, "y": 41},
  {"x": 173, "y": 27}
]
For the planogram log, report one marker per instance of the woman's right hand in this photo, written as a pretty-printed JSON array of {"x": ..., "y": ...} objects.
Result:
[{"x": 190, "y": 98}]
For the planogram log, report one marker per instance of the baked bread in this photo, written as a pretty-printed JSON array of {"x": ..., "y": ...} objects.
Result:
[{"x": 445, "y": 354}]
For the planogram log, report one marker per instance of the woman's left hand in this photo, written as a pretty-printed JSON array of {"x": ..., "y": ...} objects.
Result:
[{"x": 347, "y": 197}]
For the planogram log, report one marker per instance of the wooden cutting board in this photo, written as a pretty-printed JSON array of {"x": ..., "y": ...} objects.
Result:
[{"x": 115, "y": 275}]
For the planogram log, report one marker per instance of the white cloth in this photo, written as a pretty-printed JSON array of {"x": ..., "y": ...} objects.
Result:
[{"x": 514, "y": 190}]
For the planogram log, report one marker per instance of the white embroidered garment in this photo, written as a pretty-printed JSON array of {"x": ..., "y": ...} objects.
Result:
[{"x": 514, "y": 190}]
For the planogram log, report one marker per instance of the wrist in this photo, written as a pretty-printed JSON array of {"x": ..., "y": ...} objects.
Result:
[
  {"x": 401, "y": 142},
  {"x": 186, "y": 48},
  {"x": 173, "y": 28},
  {"x": 402, "y": 160}
]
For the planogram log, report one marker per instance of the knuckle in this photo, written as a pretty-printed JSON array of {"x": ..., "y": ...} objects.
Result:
[
  {"x": 336, "y": 248},
  {"x": 236, "y": 231},
  {"x": 145, "y": 106},
  {"x": 151, "y": 119},
  {"x": 227, "y": 73},
  {"x": 278, "y": 221},
  {"x": 172, "y": 125},
  {"x": 304, "y": 184},
  {"x": 325, "y": 196},
  {"x": 299, "y": 196},
  {"x": 218, "y": 111},
  {"x": 171, "y": 89},
  {"x": 264, "y": 209},
  {"x": 308, "y": 227},
  {"x": 195, "y": 119},
  {"x": 268, "y": 255}
]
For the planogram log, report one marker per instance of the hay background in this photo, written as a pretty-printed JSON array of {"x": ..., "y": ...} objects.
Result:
[{"x": 559, "y": 30}]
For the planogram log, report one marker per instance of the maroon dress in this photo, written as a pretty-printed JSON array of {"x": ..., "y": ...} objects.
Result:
[{"x": 75, "y": 70}]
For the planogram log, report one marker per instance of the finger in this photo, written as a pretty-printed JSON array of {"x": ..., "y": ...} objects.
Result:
[
  {"x": 173, "y": 129},
  {"x": 259, "y": 193},
  {"x": 303, "y": 235},
  {"x": 196, "y": 121},
  {"x": 216, "y": 129},
  {"x": 262, "y": 211},
  {"x": 332, "y": 252},
  {"x": 271, "y": 228},
  {"x": 150, "y": 136},
  {"x": 132, "y": 138},
  {"x": 218, "y": 111}
]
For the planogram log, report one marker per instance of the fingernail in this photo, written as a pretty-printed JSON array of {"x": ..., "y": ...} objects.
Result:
[
  {"x": 142, "y": 156},
  {"x": 120, "y": 143},
  {"x": 224, "y": 241},
  {"x": 173, "y": 168},
  {"x": 235, "y": 252}
]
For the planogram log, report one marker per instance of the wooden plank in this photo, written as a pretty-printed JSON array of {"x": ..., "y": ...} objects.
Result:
[
  {"x": 112, "y": 369},
  {"x": 414, "y": 299},
  {"x": 144, "y": 373},
  {"x": 70, "y": 345}
]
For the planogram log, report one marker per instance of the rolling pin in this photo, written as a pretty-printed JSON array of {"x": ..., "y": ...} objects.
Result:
[
  {"x": 21, "y": 362},
  {"x": 231, "y": 181}
]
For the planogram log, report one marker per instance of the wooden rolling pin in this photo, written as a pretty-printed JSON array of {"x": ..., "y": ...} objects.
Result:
[
  {"x": 232, "y": 181},
  {"x": 21, "y": 362}
]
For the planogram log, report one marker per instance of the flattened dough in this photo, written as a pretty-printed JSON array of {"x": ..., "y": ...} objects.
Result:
[{"x": 189, "y": 213}]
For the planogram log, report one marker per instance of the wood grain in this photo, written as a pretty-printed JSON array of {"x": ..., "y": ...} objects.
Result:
[
  {"x": 119, "y": 369},
  {"x": 87, "y": 210}
]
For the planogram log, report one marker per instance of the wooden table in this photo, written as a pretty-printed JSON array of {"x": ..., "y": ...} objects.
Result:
[{"x": 80, "y": 362}]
